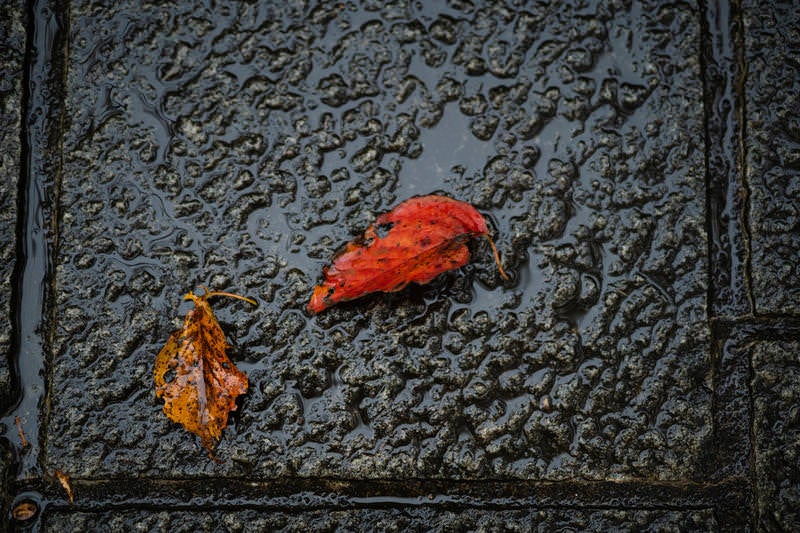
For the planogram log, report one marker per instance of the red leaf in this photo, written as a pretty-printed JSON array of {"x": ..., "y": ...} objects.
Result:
[{"x": 416, "y": 241}]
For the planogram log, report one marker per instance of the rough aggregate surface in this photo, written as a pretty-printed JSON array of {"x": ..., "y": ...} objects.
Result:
[
  {"x": 12, "y": 55},
  {"x": 240, "y": 147},
  {"x": 776, "y": 403},
  {"x": 392, "y": 519},
  {"x": 772, "y": 91}
]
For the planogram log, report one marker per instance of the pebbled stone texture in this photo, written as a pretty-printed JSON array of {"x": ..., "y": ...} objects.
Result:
[
  {"x": 12, "y": 56},
  {"x": 240, "y": 146},
  {"x": 776, "y": 406},
  {"x": 407, "y": 519},
  {"x": 772, "y": 92}
]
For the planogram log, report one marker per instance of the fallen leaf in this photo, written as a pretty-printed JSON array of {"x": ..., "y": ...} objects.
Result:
[
  {"x": 24, "y": 511},
  {"x": 194, "y": 376},
  {"x": 416, "y": 241},
  {"x": 64, "y": 479},
  {"x": 22, "y": 440}
]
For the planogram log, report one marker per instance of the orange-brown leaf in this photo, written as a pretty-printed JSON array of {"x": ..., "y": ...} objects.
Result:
[
  {"x": 64, "y": 480},
  {"x": 194, "y": 376},
  {"x": 414, "y": 242}
]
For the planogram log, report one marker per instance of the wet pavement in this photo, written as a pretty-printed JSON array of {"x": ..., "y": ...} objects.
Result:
[{"x": 638, "y": 164}]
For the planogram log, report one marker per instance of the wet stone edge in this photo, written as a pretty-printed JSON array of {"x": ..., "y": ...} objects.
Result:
[
  {"x": 32, "y": 311},
  {"x": 12, "y": 41},
  {"x": 12, "y": 83},
  {"x": 726, "y": 196},
  {"x": 297, "y": 495}
]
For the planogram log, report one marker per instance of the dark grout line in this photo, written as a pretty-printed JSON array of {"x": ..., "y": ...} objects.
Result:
[
  {"x": 740, "y": 108},
  {"x": 58, "y": 61},
  {"x": 761, "y": 327},
  {"x": 20, "y": 304},
  {"x": 9, "y": 440},
  {"x": 33, "y": 293},
  {"x": 19, "y": 310},
  {"x": 705, "y": 48},
  {"x": 728, "y": 292},
  {"x": 707, "y": 14},
  {"x": 301, "y": 494},
  {"x": 23, "y": 182}
]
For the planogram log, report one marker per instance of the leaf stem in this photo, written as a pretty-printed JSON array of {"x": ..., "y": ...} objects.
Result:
[
  {"x": 496, "y": 257},
  {"x": 210, "y": 294}
]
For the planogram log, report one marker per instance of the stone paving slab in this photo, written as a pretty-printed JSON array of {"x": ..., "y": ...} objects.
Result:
[
  {"x": 772, "y": 91},
  {"x": 12, "y": 57},
  {"x": 241, "y": 147},
  {"x": 776, "y": 404},
  {"x": 393, "y": 519}
]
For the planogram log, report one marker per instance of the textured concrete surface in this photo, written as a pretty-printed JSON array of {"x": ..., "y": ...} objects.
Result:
[
  {"x": 622, "y": 380},
  {"x": 776, "y": 404},
  {"x": 773, "y": 154},
  {"x": 239, "y": 152},
  {"x": 398, "y": 519},
  {"x": 12, "y": 56}
]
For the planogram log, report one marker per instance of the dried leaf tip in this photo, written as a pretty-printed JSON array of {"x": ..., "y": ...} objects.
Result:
[
  {"x": 64, "y": 480},
  {"x": 210, "y": 294},
  {"x": 497, "y": 257},
  {"x": 22, "y": 440}
]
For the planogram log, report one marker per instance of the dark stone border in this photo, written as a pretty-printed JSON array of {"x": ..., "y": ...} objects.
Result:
[
  {"x": 36, "y": 237},
  {"x": 722, "y": 53},
  {"x": 13, "y": 32},
  {"x": 12, "y": 61}
]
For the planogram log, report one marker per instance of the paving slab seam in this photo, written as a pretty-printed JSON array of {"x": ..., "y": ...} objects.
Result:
[
  {"x": 750, "y": 347},
  {"x": 731, "y": 301},
  {"x": 740, "y": 109},
  {"x": 95, "y": 495},
  {"x": 713, "y": 240},
  {"x": 63, "y": 506},
  {"x": 28, "y": 352},
  {"x": 13, "y": 45},
  {"x": 22, "y": 192},
  {"x": 720, "y": 42},
  {"x": 755, "y": 325},
  {"x": 54, "y": 12},
  {"x": 37, "y": 228}
]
